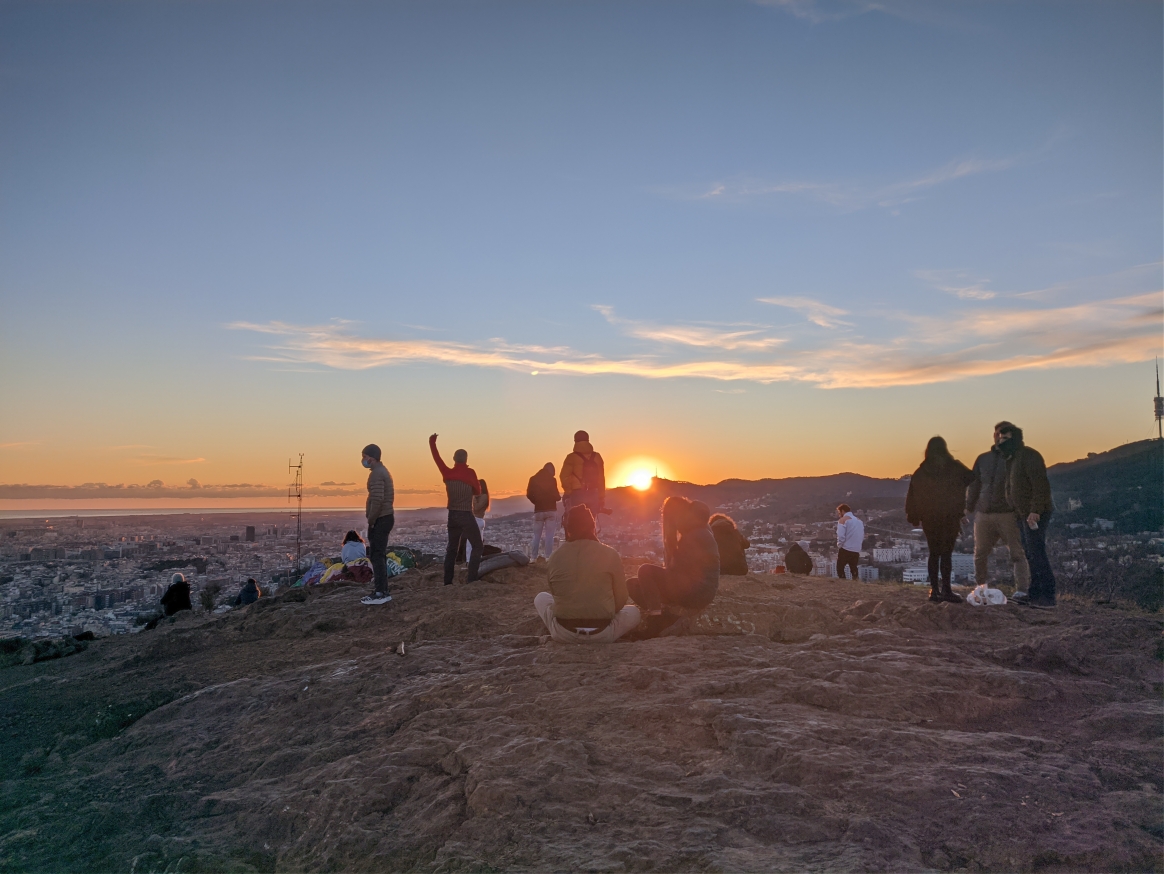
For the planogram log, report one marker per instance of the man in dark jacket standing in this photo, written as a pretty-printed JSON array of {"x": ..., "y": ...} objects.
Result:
[
  {"x": 1029, "y": 491},
  {"x": 378, "y": 511},
  {"x": 542, "y": 492},
  {"x": 994, "y": 517}
]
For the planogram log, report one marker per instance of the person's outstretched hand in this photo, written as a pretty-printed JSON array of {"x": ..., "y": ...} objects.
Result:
[{"x": 432, "y": 438}]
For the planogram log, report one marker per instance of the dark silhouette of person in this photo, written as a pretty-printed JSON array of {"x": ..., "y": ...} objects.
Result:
[
  {"x": 936, "y": 501},
  {"x": 177, "y": 596},
  {"x": 797, "y": 560},
  {"x": 248, "y": 594},
  {"x": 731, "y": 543}
]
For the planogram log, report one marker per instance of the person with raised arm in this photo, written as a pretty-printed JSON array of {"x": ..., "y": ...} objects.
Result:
[{"x": 461, "y": 485}]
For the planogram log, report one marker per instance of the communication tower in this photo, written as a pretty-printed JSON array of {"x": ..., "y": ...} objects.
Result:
[
  {"x": 1159, "y": 404},
  {"x": 295, "y": 492}
]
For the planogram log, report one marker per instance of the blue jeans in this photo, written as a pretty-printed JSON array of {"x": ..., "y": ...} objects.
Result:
[{"x": 1042, "y": 588}]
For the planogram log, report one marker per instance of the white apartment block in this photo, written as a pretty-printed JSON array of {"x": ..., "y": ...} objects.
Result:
[{"x": 891, "y": 554}]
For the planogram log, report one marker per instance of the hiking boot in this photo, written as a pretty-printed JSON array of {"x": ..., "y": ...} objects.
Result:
[
  {"x": 948, "y": 595},
  {"x": 936, "y": 594},
  {"x": 378, "y": 598}
]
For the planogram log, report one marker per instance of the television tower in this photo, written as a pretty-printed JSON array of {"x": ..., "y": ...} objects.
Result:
[
  {"x": 1159, "y": 404},
  {"x": 295, "y": 491}
]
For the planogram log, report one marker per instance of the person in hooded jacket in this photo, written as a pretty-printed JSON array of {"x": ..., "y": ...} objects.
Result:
[
  {"x": 731, "y": 543},
  {"x": 583, "y": 477},
  {"x": 177, "y": 596},
  {"x": 797, "y": 560},
  {"x": 248, "y": 594},
  {"x": 994, "y": 517},
  {"x": 543, "y": 493},
  {"x": 936, "y": 501},
  {"x": 1029, "y": 492},
  {"x": 690, "y": 578}
]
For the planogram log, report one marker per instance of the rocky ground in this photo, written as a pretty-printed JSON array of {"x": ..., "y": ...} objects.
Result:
[{"x": 801, "y": 724}]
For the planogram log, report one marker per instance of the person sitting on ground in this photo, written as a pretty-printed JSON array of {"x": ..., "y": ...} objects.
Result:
[
  {"x": 248, "y": 594},
  {"x": 177, "y": 597},
  {"x": 461, "y": 484},
  {"x": 583, "y": 477},
  {"x": 731, "y": 543},
  {"x": 543, "y": 493},
  {"x": 690, "y": 578},
  {"x": 587, "y": 601},
  {"x": 797, "y": 560},
  {"x": 850, "y": 536},
  {"x": 353, "y": 547},
  {"x": 936, "y": 501}
]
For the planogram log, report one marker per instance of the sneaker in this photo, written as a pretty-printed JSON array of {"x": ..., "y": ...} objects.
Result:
[
  {"x": 1020, "y": 598},
  {"x": 378, "y": 598}
]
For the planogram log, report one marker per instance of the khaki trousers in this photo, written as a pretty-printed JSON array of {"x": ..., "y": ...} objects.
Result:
[
  {"x": 989, "y": 528},
  {"x": 624, "y": 620}
]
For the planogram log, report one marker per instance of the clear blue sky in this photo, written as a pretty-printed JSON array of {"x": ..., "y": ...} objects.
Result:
[{"x": 746, "y": 239}]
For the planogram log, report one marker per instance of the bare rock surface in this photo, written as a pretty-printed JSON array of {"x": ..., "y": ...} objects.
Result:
[{"x": 799, "y": 724}]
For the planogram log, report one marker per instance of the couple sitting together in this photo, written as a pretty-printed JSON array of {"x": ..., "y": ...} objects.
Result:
[{"x": 589, "y": 597}]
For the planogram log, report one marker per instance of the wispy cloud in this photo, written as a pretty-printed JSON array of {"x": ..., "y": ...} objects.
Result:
[
  {"x": 958, "y": 283},
  {"x": 150, "y": 460},
  {"x": 20, "y": 444},
  {"x": 699, "y": 334},
  {"x": 823, "y": 314}
]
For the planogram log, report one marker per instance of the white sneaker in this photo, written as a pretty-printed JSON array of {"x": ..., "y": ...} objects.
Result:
[{"x": 378, "y": 598}]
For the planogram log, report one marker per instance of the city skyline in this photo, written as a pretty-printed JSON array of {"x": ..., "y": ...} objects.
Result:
[{"x": 728, "y": 239}]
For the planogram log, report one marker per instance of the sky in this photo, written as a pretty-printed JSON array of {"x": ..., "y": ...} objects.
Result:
[{"x": 728, "y": 239}]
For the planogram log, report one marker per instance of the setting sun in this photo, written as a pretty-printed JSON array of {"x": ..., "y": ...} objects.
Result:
[
  {"x": 637, "y": 472},
  {"x": 640, "y": 479}
]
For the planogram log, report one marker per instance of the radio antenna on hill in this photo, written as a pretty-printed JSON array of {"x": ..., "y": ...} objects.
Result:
[
  {"x": 1159, "y": 404},
  {"x": 295, "y": 490}
]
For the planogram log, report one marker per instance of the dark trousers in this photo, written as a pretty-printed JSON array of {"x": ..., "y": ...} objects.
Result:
[
  {"x": 1042, "y": 588},
  {"x": 462, "y": 524},
  {"x": 941, "y": 536},
  {"x": 378, "y": 533},
  {"x": 656, "y": 588},
  {"x": 846, "y": 558}
]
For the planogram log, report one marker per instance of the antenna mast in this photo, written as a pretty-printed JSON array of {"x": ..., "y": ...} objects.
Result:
[
  {"x": 295, "y": 490},
  {"x": 1159, "y": 404}
]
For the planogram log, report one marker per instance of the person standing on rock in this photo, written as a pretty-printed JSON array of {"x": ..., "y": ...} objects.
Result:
[
  {"x": 461, "y": 485},
  {"x": 587, "y": 601},
  {"x": 850, "y": 537},
  {"x": 936, "y": 501},
  {"x": 994, "y": 517},
  {"x": 542, "y": 492},
  {"x": 379, "y": 513},
  {"x": 1029, "y": 492},
  {"x": 583, "y": 478}
]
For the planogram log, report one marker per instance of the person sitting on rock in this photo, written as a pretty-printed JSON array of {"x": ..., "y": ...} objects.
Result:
[
  {"x": 731, "y": 543},
  {"x": 353, "y": 548},
  {"x": 248, "y": 594},
  {"x": 690, "y": 578},
  {"x": 797, "y": 560},
  {"x": 587, "y": 601},
  {"x": 177, "y": 597}
]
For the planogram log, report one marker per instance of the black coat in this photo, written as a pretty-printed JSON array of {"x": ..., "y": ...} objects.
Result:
[
  {"x": 987, "y": 491},
  {"x": 177, "y": 598},
  {"x": 732, "y": 544},
  {"x": 542, "y": 492},
  {"x": 248, "y": 594},
  {"x": 937, "y": 491},
  {"x": 797, "y": 561}
]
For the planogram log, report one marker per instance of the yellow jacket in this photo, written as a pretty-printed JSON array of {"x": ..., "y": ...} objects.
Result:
[{"x": 572, "y": 468}]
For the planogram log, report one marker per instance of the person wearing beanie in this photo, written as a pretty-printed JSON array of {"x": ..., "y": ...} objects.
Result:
[
  {"x": 177, "y": 596},
  {"x": 588, "y": 598},
  {"x": 461, "y": 485},
  {"x": 583, "y": 477},
  {"x": 542, "y": 492},
  {"x": 379, "y": 513},
  {"x": 1029, "y": 492},
  {"x": 797, "y": 560},
  {"x": 994, "y": 517}
]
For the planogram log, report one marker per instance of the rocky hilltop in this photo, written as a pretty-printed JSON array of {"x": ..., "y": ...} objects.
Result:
[{"x": 801, "y": 723}]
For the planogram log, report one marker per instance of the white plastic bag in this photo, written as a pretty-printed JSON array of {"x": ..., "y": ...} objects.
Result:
[{"x": 984, "y": 596}]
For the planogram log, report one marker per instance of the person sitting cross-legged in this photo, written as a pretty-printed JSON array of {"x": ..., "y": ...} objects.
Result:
[{"x": 587, "y": 601}]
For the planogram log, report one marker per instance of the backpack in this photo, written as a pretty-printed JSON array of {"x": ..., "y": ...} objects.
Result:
[{"x": 591, "y": 474}]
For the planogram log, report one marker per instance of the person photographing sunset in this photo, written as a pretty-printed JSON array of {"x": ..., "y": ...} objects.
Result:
[
  {"x": 461, "y": 485},
  {"x": 583, "y": 478}
]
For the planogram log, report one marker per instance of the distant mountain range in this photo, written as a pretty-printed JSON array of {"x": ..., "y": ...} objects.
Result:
[{"x": 1125, "y": 485}]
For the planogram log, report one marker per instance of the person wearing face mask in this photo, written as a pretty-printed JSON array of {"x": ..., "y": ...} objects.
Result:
[
  {"x": 381, "y": 518},
  {"x": 1029, "y": 492},
  {"x": 994, "y": 517}
]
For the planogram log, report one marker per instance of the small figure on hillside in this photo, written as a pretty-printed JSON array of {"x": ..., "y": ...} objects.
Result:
[
  {"x": 797, "y": 560},
  {"x": 690, "y": 578},
  {"x": 587, "y": 601},
  {"x": 542, "y": 492},
  {"x": 381, "y": 518},
  {"x": 583, "y": 477},
  {"x": 248, "y": 594},
  {"x": 850, "y": 537},
  {"x": 461, "y": 484},
  {"x": 731, "y": 543},
  {"x": 1029, "y": 492},
  {"x": 936, "y": 501},
  {"x": 353, "y": 547},
  {"x": 994, "y": 517},
  {"x": 177, "y": 596}
]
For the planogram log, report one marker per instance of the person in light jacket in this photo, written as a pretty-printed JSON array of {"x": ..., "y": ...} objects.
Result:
[{"x": 850, "y": 536}]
